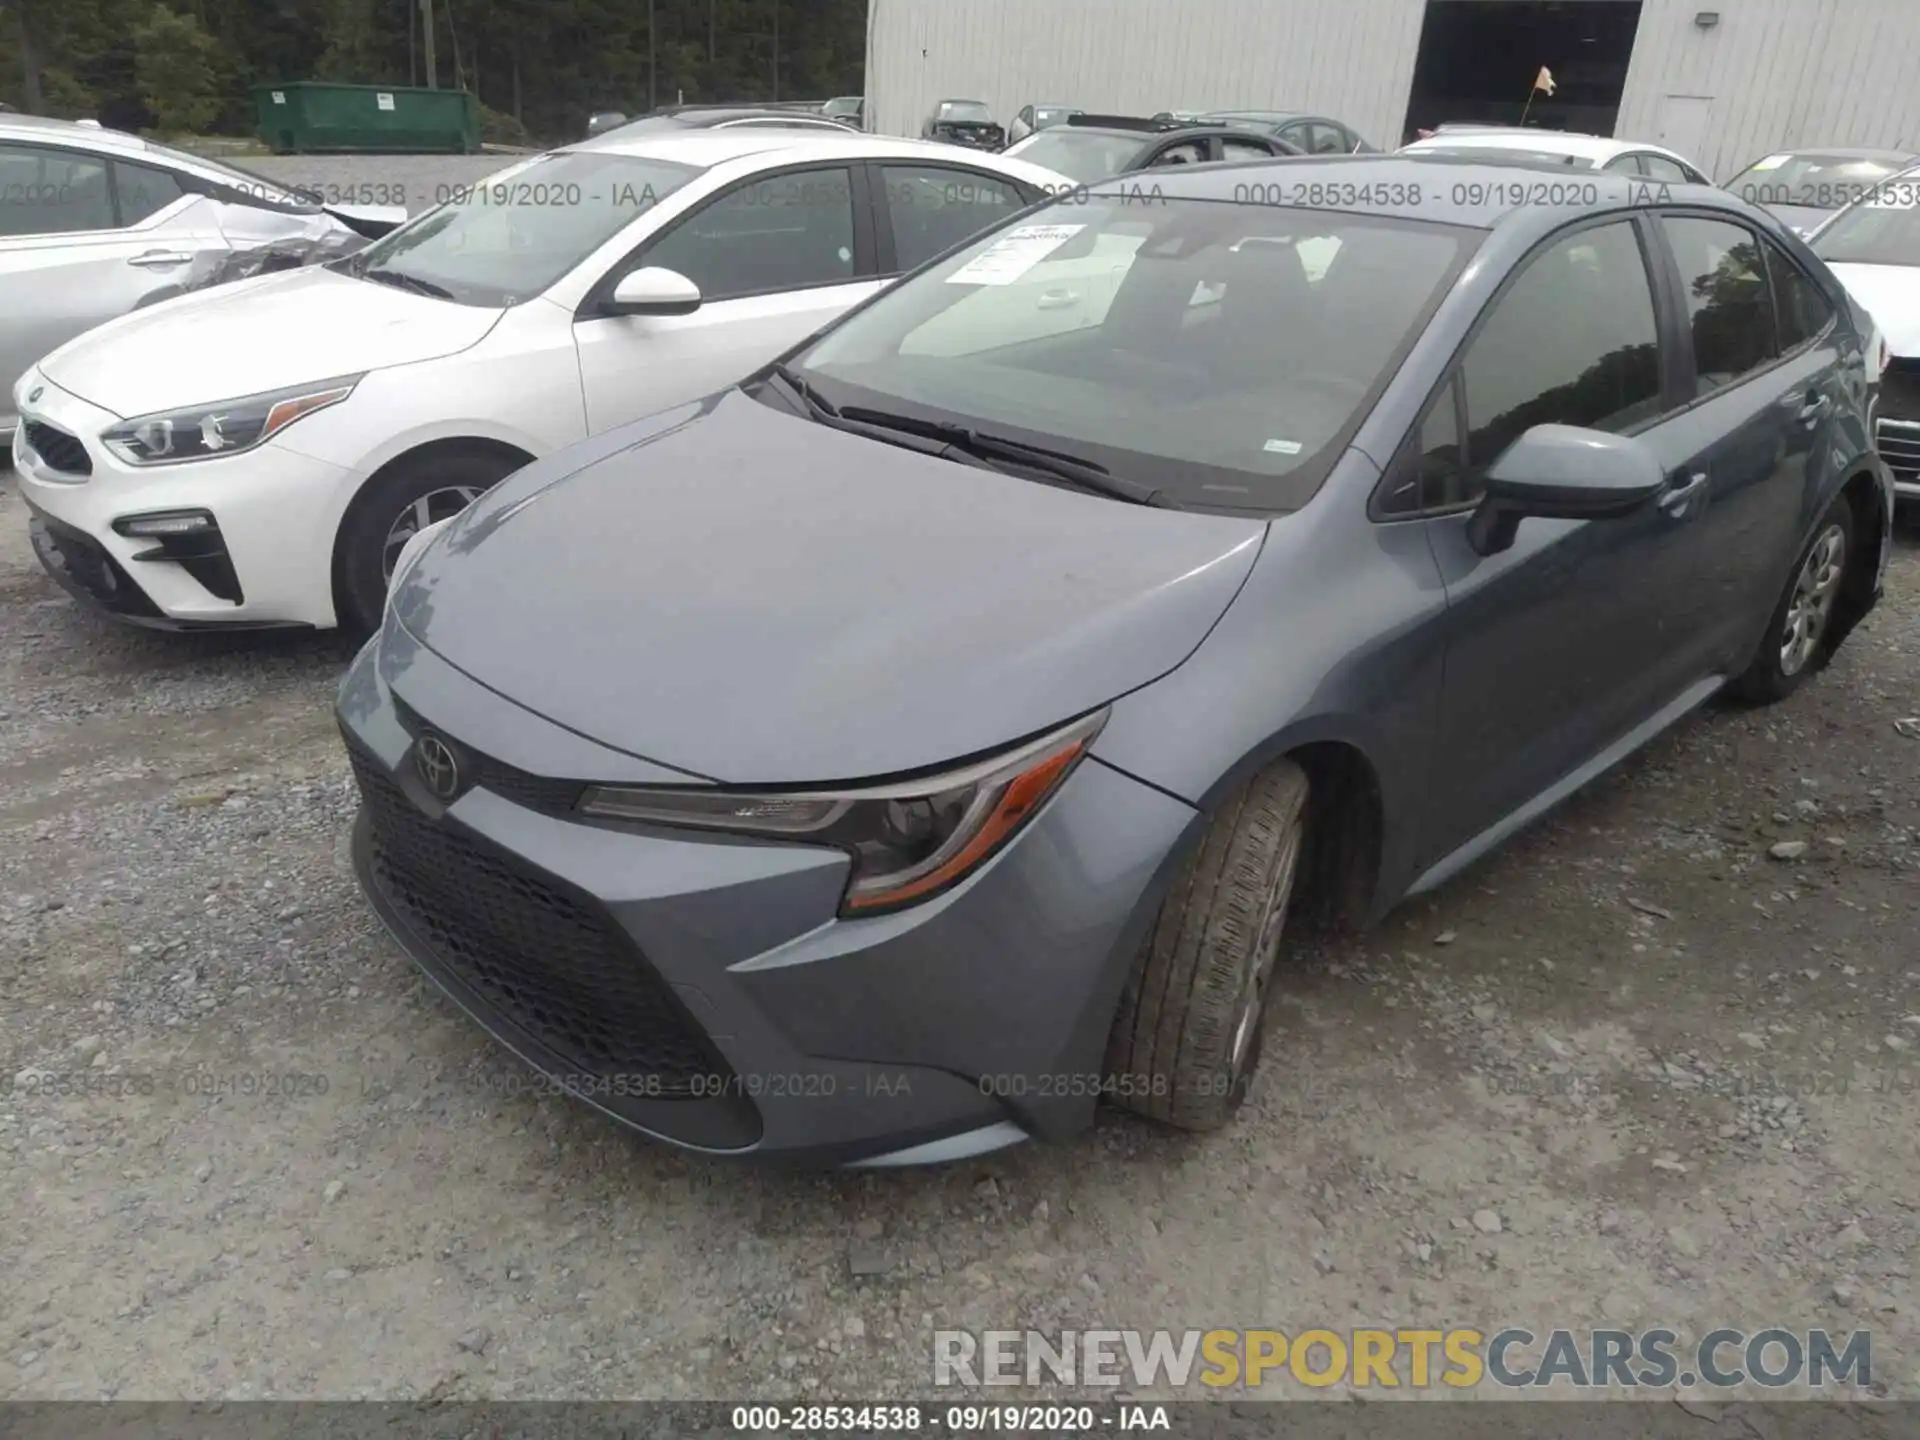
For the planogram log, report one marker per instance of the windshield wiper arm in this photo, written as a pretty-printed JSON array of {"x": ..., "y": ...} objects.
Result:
[
  {"x": 817, "y": 405},
  {"x": 1076, "y": 471},
  {"x": 399, "y": 279}
]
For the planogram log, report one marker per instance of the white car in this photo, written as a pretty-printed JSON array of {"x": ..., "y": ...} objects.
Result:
[
  {"x": 259, "y": 455},
  {"x": 1873, "y": 246},
  {"x": 1652, "y": 163},
  {"x": 95, "y": 222}
]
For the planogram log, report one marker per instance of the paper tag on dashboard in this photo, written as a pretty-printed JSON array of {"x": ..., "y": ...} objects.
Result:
[{"x": 1013, "y": 254}]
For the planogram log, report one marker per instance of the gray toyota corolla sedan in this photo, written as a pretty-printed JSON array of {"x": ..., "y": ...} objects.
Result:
[{"x": 889, "y": 758}]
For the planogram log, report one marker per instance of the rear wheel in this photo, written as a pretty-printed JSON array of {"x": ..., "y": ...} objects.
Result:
[
  {"x": 391, "y": 510},
  {"x": 1799, "y": 637},
  {"x": 1187, "y": 1039}
]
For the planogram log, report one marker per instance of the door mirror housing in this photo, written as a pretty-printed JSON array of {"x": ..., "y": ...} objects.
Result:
[
  {"x": 1563, "y": 472},
  {"x": 652, "y": 290}
]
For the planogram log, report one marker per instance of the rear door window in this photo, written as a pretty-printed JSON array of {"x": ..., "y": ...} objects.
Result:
[
  {"x": 1729, "y": 299},
  {"x": 143, "y": 190}
]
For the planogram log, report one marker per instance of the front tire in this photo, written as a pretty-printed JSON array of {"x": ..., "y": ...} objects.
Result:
[
  {"x": 1799, "y": 638},
  {"x": 1187, "y": 1039},
  {"x": 403, "y": 500}
]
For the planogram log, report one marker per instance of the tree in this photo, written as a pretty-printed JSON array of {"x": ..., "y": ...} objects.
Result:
[{"x": 174, "y": 70}]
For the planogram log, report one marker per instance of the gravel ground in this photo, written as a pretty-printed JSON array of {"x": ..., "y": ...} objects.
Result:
[{"x": 1634, "y": 1070}]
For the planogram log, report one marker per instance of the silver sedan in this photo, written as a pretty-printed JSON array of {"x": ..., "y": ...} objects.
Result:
[{"x": 94, "y": 223}]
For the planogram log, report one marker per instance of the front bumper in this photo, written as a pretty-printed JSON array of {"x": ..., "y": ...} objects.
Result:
[
  {"x": 267, "y": 564},
  {"x": 703, "y": 990}
]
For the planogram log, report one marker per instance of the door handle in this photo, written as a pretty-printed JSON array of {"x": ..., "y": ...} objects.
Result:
[
  {"x": 1059, "y": 299},
  {"x": 155, "y": 258},
  {"x": 1814, "y": 407},
  {"x": 1677, "y": 500}
]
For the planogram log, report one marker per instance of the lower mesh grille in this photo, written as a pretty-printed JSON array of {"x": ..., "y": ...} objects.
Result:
[{"x": 545, "y": 960}]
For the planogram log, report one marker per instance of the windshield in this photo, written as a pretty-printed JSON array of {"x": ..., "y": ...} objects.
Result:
[
  {"x": 1504, "y": 155},
  {"x": 512, "y": 235},
  {"x": 966, "y": 112},
  {"x": 1083, "y": 155},
  {"x": 1818, "y": 182},
  {"x": 1220, "y": 353},
  {"x": 1883, "y": 229}
]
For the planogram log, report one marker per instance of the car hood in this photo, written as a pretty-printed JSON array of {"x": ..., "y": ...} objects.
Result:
[
  {"x": 254, "y": 335},
  {"x": 753, "y": 598},
  {"x": 1891, "y": 294}
]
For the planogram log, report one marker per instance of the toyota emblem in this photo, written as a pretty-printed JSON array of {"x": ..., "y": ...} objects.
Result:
[
  {"x": 35, "y": 393},
  {"x": 436, "y": 766}
]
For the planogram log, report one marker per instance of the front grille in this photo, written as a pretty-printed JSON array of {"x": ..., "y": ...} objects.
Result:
[
  {"x": 1900, "y": 390},
  {"x": 547, "y": 961},
  {"x": 536, "y": 792},
  {"x": 60, "y": 451},
  {"x": 1899, "y": 445}
]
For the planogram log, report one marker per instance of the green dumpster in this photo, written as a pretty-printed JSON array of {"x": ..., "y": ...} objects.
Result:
[{"x": 306, "y": 117}]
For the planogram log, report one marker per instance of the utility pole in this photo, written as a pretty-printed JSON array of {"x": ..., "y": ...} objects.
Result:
[
  {"x": 653, "y": 51},
  {"x": 710, "y": 32},
  {"x": 776, "y": 49},
  {"x": 426, "y": 43}
]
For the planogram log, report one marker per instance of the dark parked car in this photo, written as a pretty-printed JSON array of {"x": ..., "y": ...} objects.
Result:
[
  {"x": 1092, "y": 147},
  {"x": 1804, "y": 187},
  {"x": 964, "y": 122},
  {"x": 728, "y": 117},
  {"x": 1034, "y": 118},
  {"x": 1312, "y": 134},
  {"x": 1096, "y": 650}
]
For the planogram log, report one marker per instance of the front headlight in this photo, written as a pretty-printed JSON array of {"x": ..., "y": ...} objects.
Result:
[
  {"x": 909, "y": 841},
  {"x": 199, "y": 432}
]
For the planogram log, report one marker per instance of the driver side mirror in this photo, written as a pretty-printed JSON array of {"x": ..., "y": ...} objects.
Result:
[
  {"x": 652, "y": 290},
  {"x": 1563, "y": 472}
]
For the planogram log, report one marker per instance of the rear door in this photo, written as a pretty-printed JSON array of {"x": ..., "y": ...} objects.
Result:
[
  {"x": 84, "y": 238},
  {"x": 776, "y": 257},
  {"x": 1764, "y": 392}
]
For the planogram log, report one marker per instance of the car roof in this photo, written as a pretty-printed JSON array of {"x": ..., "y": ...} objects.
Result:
[
  {"x": 706, "y": 149},
  {"x": 1475, "y": 194},
  {"x": 1552, "y": 142},
  {"x": 36, "y": 127}
]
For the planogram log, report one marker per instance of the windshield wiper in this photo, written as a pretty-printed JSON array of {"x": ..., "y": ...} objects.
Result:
[
  {"x": 1076, "y": 471},
  {"x": 400, "y": 280},
  {"x": 817, "y": 405}
]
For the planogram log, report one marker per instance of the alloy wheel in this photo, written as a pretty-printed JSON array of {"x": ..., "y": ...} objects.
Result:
[
  {"x": 1246, "y": 1024},
  {"x": 429, "y": 509},
  {"x": 1811, "y": 604}
]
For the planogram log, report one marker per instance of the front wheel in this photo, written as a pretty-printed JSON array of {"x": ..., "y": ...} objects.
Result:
[
  {"x": 391, "y": 511},
  {"x": 1187, "y": 1039},
  {"x": 1799, "y": 637}
]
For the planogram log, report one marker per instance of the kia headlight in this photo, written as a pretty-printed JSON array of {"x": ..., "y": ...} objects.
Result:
[
  {"x": 909, "y": 841},
  {"x": 201, "y": 432}
]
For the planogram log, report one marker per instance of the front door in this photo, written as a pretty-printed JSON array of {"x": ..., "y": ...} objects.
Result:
[
  {"x": 1560, "y": 645},
  {"x": 775, "y": 258}
]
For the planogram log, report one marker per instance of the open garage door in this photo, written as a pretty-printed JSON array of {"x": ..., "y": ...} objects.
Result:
[{"x": 1479, "y": 59}]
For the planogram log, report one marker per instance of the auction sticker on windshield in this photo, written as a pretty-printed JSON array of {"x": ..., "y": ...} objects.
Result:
[{"x": 1013, "y": 254}]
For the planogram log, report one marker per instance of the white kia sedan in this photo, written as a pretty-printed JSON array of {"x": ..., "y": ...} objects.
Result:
[{"x": 259, "y": 455}]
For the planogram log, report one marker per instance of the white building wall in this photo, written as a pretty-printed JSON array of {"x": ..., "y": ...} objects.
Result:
[
  {"x": 1352, "y": 59},
  {"x": 1771, "y": 75}
]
